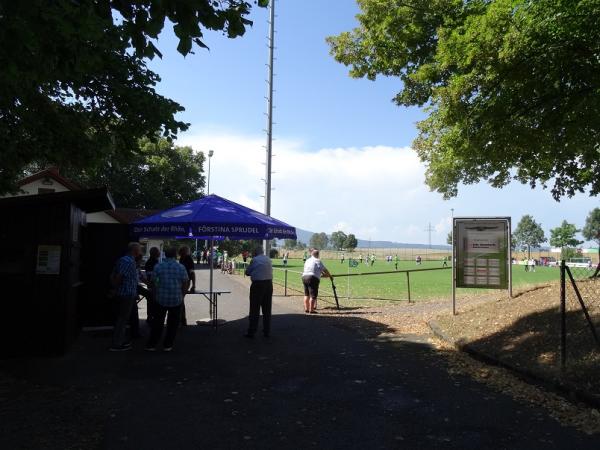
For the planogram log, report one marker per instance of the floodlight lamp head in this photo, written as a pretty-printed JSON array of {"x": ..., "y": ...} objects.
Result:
[{"x": 210, "y": 153}]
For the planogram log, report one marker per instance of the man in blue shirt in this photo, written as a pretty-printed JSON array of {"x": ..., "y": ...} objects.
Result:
[
  {"x": 260, "y": 272},
  {"x": 170, "y": 281},
  {"x": 125, "y": 280}
]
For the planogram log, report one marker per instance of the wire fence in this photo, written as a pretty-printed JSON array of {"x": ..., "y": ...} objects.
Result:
[
  {"x": 387, "y": 286},
  {"x": 579, "y": 310}
]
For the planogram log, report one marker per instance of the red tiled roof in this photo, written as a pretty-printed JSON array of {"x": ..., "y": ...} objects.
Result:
[{"x": 50, "y": 172}]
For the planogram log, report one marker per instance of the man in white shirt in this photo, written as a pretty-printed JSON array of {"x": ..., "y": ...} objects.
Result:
[
  {"x": 311, "y": 277},
  {"x": 260, "y": 272}
]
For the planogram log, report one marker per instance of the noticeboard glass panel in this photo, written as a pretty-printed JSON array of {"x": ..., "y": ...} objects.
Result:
[{"x": 482, "y": 251}]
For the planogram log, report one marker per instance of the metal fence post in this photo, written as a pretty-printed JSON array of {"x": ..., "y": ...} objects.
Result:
[
  {"x": 563, "y": 316},
  {"x": 285, "y": 283},
  {"x": 408, "y": 284}
]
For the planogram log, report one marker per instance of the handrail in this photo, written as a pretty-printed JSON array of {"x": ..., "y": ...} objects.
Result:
[{"x": 389, "y": 272}]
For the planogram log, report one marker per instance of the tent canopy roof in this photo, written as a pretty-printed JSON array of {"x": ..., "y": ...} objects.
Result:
[{"x": 213, "y": 216}]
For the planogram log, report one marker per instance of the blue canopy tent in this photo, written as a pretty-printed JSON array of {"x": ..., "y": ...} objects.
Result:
[{"x": 212, "y": 218}]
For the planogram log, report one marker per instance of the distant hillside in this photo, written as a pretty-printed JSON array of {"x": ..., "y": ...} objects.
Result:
[{"x": 304, "y": 236}]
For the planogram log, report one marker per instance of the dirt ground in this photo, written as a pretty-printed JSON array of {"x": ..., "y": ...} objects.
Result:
[{"x": 525, "y": 333}]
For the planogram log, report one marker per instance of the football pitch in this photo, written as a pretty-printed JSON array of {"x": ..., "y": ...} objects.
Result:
[{"x": 393, "y": 286}]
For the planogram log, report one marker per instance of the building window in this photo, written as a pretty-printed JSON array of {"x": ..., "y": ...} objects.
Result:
[{"x": 45, "y": 191}]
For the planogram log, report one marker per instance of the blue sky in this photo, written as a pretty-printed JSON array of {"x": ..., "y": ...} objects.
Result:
[{"x": 343, "y": 148}]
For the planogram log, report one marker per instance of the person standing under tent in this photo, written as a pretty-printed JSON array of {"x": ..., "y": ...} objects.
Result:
[
  {"x": 260, "y": 271},
  {"x": 186, "y": 260},
  {"x": 149, "y": 293},
  {"x": 170, "y": 282},
  {"x": 311, "y": 278},
  {"x": 124, "y": 279}
]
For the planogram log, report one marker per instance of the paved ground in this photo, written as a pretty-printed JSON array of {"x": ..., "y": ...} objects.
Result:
[{"x": 316, "y": 383}]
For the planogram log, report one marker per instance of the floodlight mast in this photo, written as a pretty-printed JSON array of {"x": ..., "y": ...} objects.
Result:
[{"x": 269, "y": 149}]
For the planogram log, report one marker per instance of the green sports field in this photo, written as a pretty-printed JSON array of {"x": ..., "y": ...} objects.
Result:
[{"x": 393, "y": 286}]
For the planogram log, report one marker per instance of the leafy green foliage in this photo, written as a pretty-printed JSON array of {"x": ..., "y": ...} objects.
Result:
[
  {"x": 449, "y": 238},
  {"x": 235, "y": 248},
  {"x": 157, "y": 176},
  {"x": 528, "y": 234},
  {"x": 319, "y": 241},
  {"x": 564, "y": 236},
  {"x": 74, "y": 85},
  {"x": 591, "y": 229},
  {"x": 510, "y": 86},
  {"x": 290, "y": 244},
  {"x": 567, "y": 253},
  {"x": 338, "y": 240},
  {"x": 350, "y": 242}
]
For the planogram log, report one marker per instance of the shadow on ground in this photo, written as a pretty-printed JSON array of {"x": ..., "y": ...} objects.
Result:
[
  {"x": 532, "y": 344},
  {"x": 316, "y": 383}
]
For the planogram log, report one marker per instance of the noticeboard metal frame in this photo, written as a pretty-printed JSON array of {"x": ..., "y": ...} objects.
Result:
[{"x": 456, "y": 220}]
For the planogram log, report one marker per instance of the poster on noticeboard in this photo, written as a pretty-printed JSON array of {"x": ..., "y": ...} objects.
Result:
[
  {"x": 48, "y": 260},
  {"x": 482, "y": 252}
]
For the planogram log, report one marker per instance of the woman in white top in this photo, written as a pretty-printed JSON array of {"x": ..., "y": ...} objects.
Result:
[{"x": 311, "y": 277}]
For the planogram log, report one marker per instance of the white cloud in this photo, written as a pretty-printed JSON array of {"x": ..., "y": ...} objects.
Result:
[
  {"x": 358, "y": 190},
  {"x": 375, "y": 192},
  {"x": 443, "y": 226}
]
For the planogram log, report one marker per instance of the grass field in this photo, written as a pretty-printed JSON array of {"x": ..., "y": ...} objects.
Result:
[{"x": 424, "y": 285}]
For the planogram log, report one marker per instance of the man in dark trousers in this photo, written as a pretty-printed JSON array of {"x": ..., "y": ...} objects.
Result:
[
  {"x": 147, "y": 292},
  {"x": 260, "y": 272},
  {"x": 170, "y": 281},
  {"x": 124, "y": 278}
]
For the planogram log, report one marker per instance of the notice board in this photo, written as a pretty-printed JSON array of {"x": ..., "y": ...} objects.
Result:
[{"x": 482, "y": 252}]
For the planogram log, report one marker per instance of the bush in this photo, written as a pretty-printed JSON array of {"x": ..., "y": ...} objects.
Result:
[{"x": 274, "y": 253}]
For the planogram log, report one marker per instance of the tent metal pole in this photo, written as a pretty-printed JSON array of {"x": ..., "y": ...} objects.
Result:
[{"x": 211, "y": 268}]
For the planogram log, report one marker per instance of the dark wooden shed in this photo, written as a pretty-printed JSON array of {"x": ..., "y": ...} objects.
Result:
[{"x": 41, "y": 240}]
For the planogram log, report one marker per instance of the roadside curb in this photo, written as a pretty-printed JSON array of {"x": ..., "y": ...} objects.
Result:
[{"x": 566, "y": 390}]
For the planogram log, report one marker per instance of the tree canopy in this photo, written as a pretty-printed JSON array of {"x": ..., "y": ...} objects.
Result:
[
  {"x": 528, "y": 234},
  {"x": 319, "y": 241},
  {"x": 157, "y": 176},
  {"x": 338, "y": 240},
  {"x": 74, "y": 84},
  {"x": 511, "y": 87},
  {"x": 591, "y": 229},
  {"x": 564, "y": 235},
  {"x": 351, "y": 242}
]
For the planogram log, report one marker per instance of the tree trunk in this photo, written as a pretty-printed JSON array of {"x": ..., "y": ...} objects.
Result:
[{"x": 528, "y": 251}]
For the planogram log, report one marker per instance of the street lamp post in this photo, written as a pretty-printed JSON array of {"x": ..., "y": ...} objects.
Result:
[
  {"x": 209, "y": 249},
  {"x": 210, "y": 154}
]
